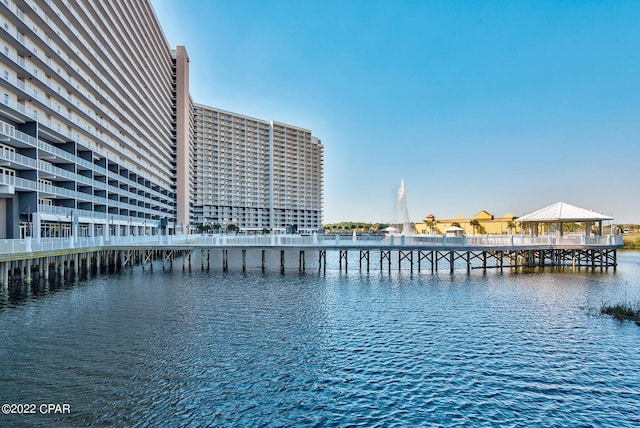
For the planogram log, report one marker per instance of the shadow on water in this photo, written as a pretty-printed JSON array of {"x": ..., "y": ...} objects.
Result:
[{"x": 18, "y": 291}]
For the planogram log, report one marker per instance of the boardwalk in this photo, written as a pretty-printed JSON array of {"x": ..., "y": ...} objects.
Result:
[
  {"x": 48, "y": 256},
  {"x": 13, "y": 249}
]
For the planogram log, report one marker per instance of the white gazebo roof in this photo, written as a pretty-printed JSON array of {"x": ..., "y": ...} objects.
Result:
[
  {"x": 562, "y": 212},
  {"x": 453, "y": 229}
]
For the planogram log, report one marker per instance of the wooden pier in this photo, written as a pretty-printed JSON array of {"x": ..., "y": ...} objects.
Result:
[
  {"x": 449, "y": 260},
  {"x": 26, "y": 260}
]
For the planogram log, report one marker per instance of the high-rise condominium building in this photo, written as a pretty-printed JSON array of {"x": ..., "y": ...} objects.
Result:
[
  {"x": 255, "y": 174},
  {"x": 97, "y": 134},
  {"x": 95, "y": 122}
]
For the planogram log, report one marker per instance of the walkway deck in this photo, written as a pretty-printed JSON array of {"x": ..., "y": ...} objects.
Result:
[
  {"x": 23, "y": 260},
  {"x": 18, "y": 249}
]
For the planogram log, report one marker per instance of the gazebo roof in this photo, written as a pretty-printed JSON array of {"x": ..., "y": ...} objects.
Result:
[
  {"x": 562, "y": 212},
  {"x": 453, "y": 229}
]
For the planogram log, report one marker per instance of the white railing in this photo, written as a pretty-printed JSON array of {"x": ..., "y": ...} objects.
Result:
[{"x": 16, "y": 246}]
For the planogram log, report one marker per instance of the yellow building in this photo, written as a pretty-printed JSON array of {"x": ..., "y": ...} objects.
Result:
[{"x": 481, "y": 224}]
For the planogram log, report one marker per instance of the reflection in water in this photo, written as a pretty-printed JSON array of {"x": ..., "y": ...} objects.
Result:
[{"x": 180, "y": 348}]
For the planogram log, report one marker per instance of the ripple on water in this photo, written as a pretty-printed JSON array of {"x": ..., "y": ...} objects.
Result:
[{"x": 207, "y": 348}]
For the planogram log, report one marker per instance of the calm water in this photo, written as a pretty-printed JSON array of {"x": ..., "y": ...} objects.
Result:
[{"x": 230, "y": 349}]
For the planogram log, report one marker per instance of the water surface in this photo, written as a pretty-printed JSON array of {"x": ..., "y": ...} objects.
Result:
[{"x": 200, "y": 348}]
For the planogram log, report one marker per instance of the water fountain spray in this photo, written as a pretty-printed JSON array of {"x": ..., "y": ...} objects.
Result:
[{"x": 407, "y": 228}]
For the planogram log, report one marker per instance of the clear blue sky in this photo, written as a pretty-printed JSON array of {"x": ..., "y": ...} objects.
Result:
[{"x": 504, "y": 106}]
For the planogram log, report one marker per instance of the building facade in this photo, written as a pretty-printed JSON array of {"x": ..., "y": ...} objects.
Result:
[
  {"x": 480, "y": 224},
  {"x": 98, "y": 134},
  {"x": 95, "y": 121},
  {"x": 256, "y": 175}
]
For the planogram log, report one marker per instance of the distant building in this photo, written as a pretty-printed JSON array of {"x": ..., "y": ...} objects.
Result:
[
  {"x": 482, "y": 223},
  {"x": 256, "y": 174}
]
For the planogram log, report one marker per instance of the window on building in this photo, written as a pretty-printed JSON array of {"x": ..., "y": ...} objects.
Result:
[{"x": 6, "y": 98}]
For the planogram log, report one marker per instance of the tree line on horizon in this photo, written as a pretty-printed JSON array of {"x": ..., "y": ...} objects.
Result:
[{"x": 359, "y": 227}]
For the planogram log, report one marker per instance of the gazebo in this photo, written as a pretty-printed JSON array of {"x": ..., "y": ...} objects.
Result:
[
  {"x": 454, "y": 231},
  {"x": 559, "y": 214},
  {"x": 390, "y": 230}
]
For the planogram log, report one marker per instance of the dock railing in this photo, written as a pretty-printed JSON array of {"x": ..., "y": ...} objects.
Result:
[{"x": 29, "y": 245}]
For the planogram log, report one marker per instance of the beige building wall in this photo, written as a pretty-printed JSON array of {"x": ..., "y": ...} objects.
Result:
[
  {"x": 482, "y": 223},
  {"x": 183, "y": 141}
]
